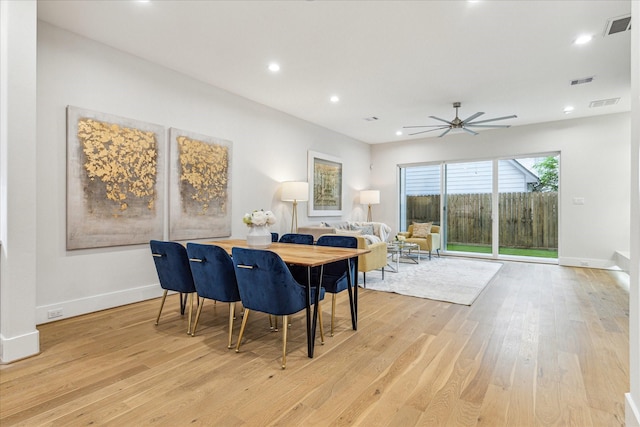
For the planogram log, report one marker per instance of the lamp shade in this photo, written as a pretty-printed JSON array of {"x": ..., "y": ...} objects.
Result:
[
  {"x": 295, "y": 191},
  {"x": 370, "y": 197}
]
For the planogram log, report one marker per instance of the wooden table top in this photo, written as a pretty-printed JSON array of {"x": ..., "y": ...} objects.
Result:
[{"x": 291, "y": 253}]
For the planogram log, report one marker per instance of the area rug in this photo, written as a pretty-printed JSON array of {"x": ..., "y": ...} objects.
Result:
[{"x": 454, "y": 280}]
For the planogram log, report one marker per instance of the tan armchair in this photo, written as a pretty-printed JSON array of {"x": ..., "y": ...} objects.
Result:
[
  {"x": 429, "y": 243},
  {"x": 374, "y": 260}
]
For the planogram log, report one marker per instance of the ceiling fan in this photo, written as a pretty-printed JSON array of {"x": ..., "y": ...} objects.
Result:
[{"x": 465, "y": 124}]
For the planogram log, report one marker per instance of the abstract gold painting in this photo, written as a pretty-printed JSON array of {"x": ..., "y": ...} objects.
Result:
[
  {"x": 200, "y": 186},
  {"x": 115, "y": 170}
]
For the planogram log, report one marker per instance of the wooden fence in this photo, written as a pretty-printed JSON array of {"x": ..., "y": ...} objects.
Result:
[{"x": 527, "y": 220}]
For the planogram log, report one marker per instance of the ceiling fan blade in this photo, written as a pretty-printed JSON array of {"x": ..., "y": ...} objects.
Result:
[
  {"x": 469, "y": 131},
  {"x": 430, "y": 130},
  {"x": 442, "y": 120},
  {"x": 423, "y": 126},
  {"x": 444, "y": 133},
  {"x": 493, "y": 120},
  {"x": 474, "y": 116},
  {"x": 486, "y": 126}
]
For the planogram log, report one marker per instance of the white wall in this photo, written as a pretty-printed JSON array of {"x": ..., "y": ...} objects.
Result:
[
  {"x": 268, "y": 147},
  {"x": 18, "y": 336},
  {"x": 632, "y": 401},
  {"x": 594, "y": 165}
]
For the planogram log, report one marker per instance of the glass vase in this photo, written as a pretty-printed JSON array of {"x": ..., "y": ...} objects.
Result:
[{"x": 259, "y": 237}]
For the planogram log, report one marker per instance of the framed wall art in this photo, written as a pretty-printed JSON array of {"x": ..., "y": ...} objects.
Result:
[
  {"x": 325, "y": 184},
  {"x": 115, "y": 174},
  {"x": 200, "y": 186}
]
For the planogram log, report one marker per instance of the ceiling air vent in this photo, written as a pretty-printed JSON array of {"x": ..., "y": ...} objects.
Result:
[
  {"x": 582, "y": 81},
  {"x": 604, "y": 102},
  {"x": 617, "y": 25}
]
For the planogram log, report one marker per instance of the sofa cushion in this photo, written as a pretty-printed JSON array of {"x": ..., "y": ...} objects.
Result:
[
  {"x": 348, "y": 232},
  {"x": 421, "y": 229}
]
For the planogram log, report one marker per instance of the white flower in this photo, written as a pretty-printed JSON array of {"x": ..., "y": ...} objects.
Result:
[
  {"x": 271, "y": 218},
  {"x": 259, "y": 218}
]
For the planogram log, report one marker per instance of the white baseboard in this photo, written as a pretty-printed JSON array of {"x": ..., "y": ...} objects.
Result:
[
  {"x": 16, "y": 348},
  {"x": 623, "y": 260},
  {"x": 94, "y": 303},
  {"x": 587, "y": 262},
  {"x": 631, "y": 412}
]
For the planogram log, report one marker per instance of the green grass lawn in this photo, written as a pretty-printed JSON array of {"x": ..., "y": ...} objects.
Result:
[{"x": 540, "y": 253}]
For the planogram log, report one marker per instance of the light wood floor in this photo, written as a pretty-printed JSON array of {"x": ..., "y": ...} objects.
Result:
[{"x": 542, "y": 345}]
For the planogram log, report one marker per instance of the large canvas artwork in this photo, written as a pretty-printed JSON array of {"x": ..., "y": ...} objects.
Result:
[
  {"x": 200, "y": 186},
  {"x": 325, "y": 184},
  {"x": 115, "y": 173}
]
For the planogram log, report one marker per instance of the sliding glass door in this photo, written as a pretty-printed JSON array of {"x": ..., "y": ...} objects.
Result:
[
  {"x": 468, "y": 206},
  {"x": 420, "y": 195},
  {"x": 528, "y": 206},
  {"x": 500, "y": 207}
]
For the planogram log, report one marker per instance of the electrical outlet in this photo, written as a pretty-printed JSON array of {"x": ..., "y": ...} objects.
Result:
[{"x": 52, "y": 314}]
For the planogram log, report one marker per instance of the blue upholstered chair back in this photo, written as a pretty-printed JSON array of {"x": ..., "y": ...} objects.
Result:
[
  {"x": 172, "y": 265},
  {"x": 266, "y": 284},
  {"x": 334, "y": 277},
  {"x": 301, "y": 239},
  {"x": 274, "y": 237},
  {"x": 213, "y": 273}
]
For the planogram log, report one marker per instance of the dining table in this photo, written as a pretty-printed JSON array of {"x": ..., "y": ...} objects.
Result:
[{"x": 310, "y": 256}]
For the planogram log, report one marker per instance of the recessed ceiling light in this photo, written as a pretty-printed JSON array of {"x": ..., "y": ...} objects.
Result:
[
  {"x": 399, "y": 132},
  {"x": 274, "y": 67},
  {"x": 334, "y": 99},
  {"x": 568, "y": 109},
  {"x": 583, "y": 39}
]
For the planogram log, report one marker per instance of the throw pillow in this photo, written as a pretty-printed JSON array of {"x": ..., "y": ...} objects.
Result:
[
  {"x": 366, "y": 229},
  {"x": 421, "y": 229}
]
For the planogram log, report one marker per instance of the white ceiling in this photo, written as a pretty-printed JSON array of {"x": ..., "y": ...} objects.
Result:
[{"x": 400, "y": 61}]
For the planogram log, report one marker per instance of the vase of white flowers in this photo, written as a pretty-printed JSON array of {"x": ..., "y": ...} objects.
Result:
[{"x": 258, "y": 222}]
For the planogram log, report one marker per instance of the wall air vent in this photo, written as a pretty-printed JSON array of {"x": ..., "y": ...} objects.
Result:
[
  {"x": 603, "y": 102},
  {"x": 617, "y": 25},
  {"x": 371, "y": 119},
  {"x": 582, "y": 81}
]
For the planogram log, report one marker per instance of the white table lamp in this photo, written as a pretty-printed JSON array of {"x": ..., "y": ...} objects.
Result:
[
  {"x": 369, "y": 197},
  {"x": 295, "y": 191}
]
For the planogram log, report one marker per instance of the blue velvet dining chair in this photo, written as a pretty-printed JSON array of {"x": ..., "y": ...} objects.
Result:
[
  {"x": 214, "y": 278},
  {"x": 299, "y": 272},
  {"x": 300, "y": 239},
  {"x": 274, "y": 237},
  {"x": 174, "y": 273},
  {"x": 334, "y": 276},
  {"x": 266, "y": 285}
]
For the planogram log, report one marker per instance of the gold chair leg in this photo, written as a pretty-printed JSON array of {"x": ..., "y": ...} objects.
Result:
[
  {"x": 164, "y": 297},
  {"x": 244, "y": 323},
  {"x": 190, "y": 313},
  {"x": 232, "y": 315},
  {"x": 320, "y": 322},
  {"x": 195, "y": 323},
  {"x": 333, "y": 311},
  {"x": 285, "y": 327},
  {"x": 273, "y": 319}
]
